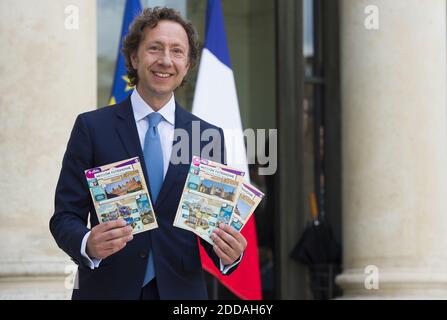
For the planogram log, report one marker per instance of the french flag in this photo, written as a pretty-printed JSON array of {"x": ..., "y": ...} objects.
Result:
[{"x": 215, "y": 101}]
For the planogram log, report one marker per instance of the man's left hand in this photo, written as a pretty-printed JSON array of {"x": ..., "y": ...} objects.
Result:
[{"x": 228, "y": 243}]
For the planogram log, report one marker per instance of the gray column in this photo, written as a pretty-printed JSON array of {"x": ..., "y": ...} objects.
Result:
[
  {"x": 394, "y": 137},
  {"x": 48, "y": 72}
]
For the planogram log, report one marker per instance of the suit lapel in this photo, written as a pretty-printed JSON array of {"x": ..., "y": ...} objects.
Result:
[{"x": 128, "y": 133}]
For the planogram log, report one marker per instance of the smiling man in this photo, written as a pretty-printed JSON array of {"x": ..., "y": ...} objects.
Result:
[
  {"x": 159, "y": 62},
  {"x": 164, "y": 263}
]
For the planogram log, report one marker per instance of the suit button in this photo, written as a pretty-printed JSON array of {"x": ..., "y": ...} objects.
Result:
[{"x": 143, "y": 255}]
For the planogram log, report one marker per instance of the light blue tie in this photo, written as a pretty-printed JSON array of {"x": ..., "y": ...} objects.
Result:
[{"x": 153, "y": 158}]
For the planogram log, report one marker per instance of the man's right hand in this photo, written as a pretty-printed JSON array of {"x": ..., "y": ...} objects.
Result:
[{"x": 108, "y": 238}]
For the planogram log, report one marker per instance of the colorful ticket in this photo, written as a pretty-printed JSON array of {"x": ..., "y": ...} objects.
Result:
[
  {"x": 209, "y": 196},
  {"x": 119, "y": 191},
  {"x": 247, "y": 202}
]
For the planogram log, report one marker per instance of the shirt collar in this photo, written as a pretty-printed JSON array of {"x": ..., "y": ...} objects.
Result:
[{"x": 141, "y": 109}]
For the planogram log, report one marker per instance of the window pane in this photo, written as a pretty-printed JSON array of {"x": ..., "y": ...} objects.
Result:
[
  {"x": 179, "y": 5},
  {"x": 110, "y": 15},
  {"x": 308, "y": 35}
]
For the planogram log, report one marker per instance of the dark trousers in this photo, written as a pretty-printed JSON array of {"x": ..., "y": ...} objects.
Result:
[{"x": 150, "y": 291}]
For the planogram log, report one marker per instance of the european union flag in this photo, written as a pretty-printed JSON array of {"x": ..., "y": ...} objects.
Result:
[{"x": 121, "y": 88}]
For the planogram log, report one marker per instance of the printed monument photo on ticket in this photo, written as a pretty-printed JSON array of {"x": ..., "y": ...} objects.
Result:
[
  {"x": 209, "y": 196},
  {"x": 248, "y": 200},
  {"x": 119, "y": 191}
]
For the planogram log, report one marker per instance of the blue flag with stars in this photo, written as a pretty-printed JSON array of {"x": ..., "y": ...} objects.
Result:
[{"x": 121, "y": 87}]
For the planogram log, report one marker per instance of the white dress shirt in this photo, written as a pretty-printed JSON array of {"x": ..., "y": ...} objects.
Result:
[{"x": 166, "y": 130}]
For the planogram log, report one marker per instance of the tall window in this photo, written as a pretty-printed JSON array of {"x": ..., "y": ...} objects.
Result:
[{"x": 317, "y": 80}]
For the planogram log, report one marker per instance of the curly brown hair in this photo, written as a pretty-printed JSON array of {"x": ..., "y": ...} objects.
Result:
[{"x": 150, "y": 18}]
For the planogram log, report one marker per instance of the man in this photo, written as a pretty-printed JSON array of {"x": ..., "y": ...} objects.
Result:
[{"x": 162, "y": 263}]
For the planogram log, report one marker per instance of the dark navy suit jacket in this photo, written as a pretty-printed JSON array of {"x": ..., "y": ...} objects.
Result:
[{"x": 105, "y": 136}]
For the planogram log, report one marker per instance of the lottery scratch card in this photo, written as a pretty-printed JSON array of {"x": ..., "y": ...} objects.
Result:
[
  {"x": 209, "y": 196},
  {"x": 119, "y": 191},
  {"x": 249, "y": 198}
]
